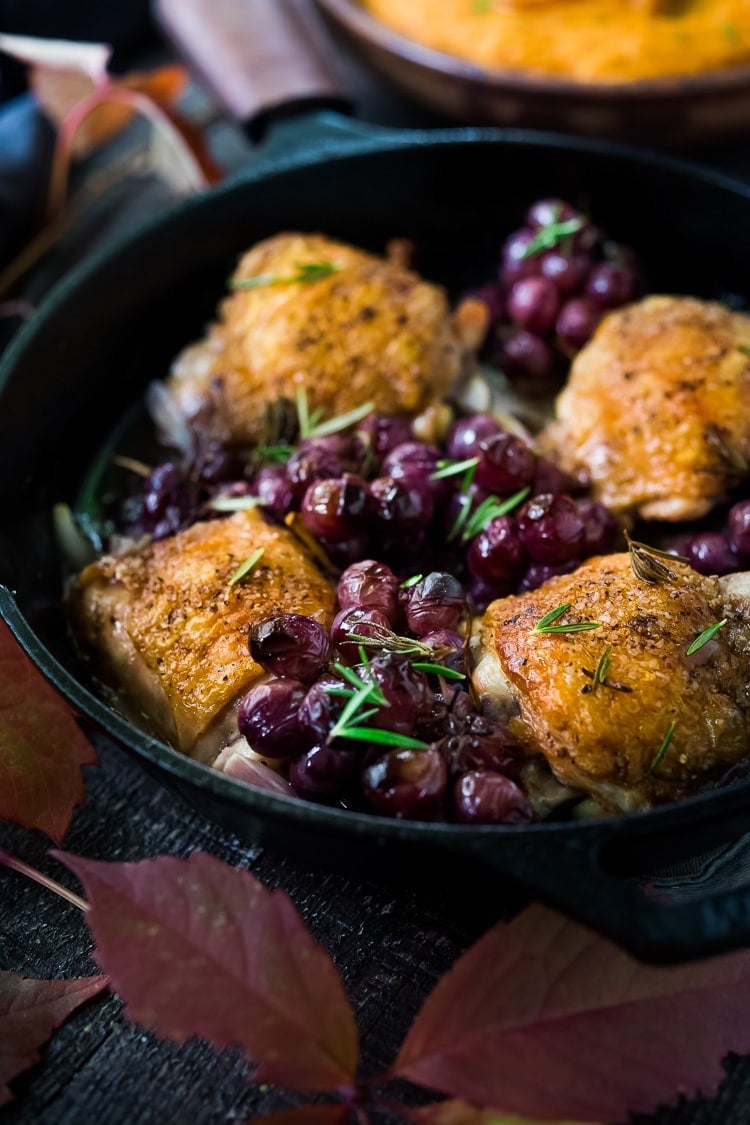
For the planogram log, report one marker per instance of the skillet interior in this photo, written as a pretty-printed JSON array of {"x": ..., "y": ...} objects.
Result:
[{"x": 115, "y": 324}]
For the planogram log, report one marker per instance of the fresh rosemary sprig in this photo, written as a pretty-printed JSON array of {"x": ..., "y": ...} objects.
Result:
[
  {"x": 311, "y": 425},
  {"x": 706, "y": 636},
  {"x": 447, "y": 469},
  {"x": 235, "y": 503},
  {"x": 388, "y": 641},
  {"x": 547, "y": 238},
  {"x": 469, "y": 524},
  {"x": 664, "y": 747},
  {"x": 413, "y": 581},
  {"x": 383, "y": 738},
  {"x": 357, "y": 711},
  {"x": 245, "y": 567},
  {"x": 438, "y": 670},
  {"x": 647, "y": 562},
  {"x": 547, "y": 624},
  {"x": 306, "y": 272}
]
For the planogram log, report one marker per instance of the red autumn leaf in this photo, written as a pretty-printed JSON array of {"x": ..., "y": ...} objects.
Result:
[
  {"x": 29, "y": 1011},
  {"x": 196, "y": 947},
  {"x": 542, "y": 1017},
  {"x": 337, "y": 1114},
  {"x": 42, "y": 748},
  {"x": 461, "y": 1113}
]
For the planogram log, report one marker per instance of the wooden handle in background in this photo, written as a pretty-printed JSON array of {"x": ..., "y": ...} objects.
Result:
[{"x": 257, "y": 57}]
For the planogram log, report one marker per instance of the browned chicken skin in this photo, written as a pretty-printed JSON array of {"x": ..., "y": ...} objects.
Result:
[
  {"x": 170, "y": 630},
  {"x": 657, "y": 408},
  {"x": 370, "y": 331},
  {"x": 605, "y": 740}
]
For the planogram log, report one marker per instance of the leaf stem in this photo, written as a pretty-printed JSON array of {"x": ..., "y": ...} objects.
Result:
[{"x": 8, "y": 860}]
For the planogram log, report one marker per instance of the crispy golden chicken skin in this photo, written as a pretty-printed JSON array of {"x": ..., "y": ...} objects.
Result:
[
  {"x": 657, "y": 408},
  {"x": 170, "y": 631},
  {"x": 605, "y": 739},
  {"x": 370, "y": 330}
]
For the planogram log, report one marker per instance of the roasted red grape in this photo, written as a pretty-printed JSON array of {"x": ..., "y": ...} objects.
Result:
[
  {"x": 534, "y": 303},
  {"x": 407, "y": 784},
  {"x": 436, "y": 602},
  {"x": 523, "y": 354},
  {"x": 407, "y": 691},
  {"x": 336, "y": 509},
  {"x": 544, "y": 212},
  {"x": 267, "y": 718},
  {"x": 577, "y": 323},
  {"x": 515, "y": 260},
  {"x": 364, "y": 621},
  {"x": 385, "y": 432},
  {"x": 482, "y": 797},
  {"x": 600, "y": 527},
  {"x": 290, "y": 644},
  {"x": 506, "y": 464},
  {"x": 738, "y": 528},
  {"x": 609, "y": 286},
  {"x": 539, "y": 573},
  {"x": 711, "y": 553},
  {"x": 552, "y": 529},
  {"x": 323, "y": 772},
  {"x": 372, "y": 584},
  {"x": 567, "y": 271},
  {"x": 465, "y": 435},
  {"x": 496, "y": 555}
]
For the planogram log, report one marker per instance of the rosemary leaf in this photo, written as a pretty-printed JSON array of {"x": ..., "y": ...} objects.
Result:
[
  {"x": 547, "y": 624},
  {"x": 279, "y": 454},
  {"x": 491, "y": 509},
  {"x": 744, "y": 348},
  {"x": 439, "y": 670},
  {"x": 389, "y": 641},
  {"x": 664, "y": 747},
  {"x": 447, "y": 469},
  {"x": 245, "y": 567},
  {"x": 552, "y": 235},
  {"x": 647, "y": 562},
  {"x": 235, "y": 503},
  {"x": 311, "y": 426},
  {"x": 306, "y": 272},
  {"x": 383, "y": 738},
  {"x": 413, "y": 581},
  {"x": 706, "y": 636},
  {"x": 602, "y": 669}
]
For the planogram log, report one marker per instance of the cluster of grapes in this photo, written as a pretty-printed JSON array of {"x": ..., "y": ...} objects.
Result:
[
  {"x": 557, "y": 278},
  {"x": 721, "y": 552},
  {"x": 395, "y": 733}
]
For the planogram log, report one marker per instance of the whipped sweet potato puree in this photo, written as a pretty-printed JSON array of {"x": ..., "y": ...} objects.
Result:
[{"x": 588, "y": 40}]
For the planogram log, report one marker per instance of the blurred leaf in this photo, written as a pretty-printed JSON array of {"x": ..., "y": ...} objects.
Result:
[
  {"x": 542, "y": 1017},
  {"x": 196, "y": 947},
  {"x": 42, "y": 748},
  {"x": 29, "y": 1012}
]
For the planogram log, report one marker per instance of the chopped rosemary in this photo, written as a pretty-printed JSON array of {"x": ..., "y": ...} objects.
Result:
[
  {"x": 602, "y": 669},
  {"x": 382, "y": 737},
  {"x": 235, "y": 503},
  {"x": 706, "y": 636},
  {"x": 311, "y": 426},
  {"x": 279, "y": 454},
  {"x": 552, "y": 235},
  {"x": 413, "y": 581},
  {"x": 306, "y": 272},
  {"x": 245, "y": 567},
  {"x": 439, "y": 670},
  {"x": 664, "y": 747},
  {"x": 469, "y": 524},
  {"x": 647, "y": 562},
  {"x": 453, "y": 468},
  {"x": 357, "y": 682},
  {"x": 481, "y": 7},
  {"x": 547, "y": 624}
]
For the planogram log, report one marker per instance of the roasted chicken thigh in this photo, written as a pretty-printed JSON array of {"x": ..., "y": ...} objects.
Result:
[
  {"x": 621, "y": 711},
  {"x": 344, "y": 325},
  {"x": 657, "y": 408},
  {"x": 168, "y": 625}
]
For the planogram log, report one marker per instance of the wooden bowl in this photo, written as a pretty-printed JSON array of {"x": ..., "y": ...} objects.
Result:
[{"x": 666, "y": 112}]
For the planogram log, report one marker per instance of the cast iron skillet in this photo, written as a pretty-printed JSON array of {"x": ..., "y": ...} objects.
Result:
[{"x": 114, "y": 324}]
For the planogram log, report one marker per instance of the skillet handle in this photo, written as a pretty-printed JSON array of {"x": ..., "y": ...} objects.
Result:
[
  {"x": 574, "y": 870},
  {"x": 259, "y": 58}
]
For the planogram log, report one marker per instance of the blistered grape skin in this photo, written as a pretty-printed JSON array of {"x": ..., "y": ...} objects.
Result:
[
  {"x": 372, "y": 584},
  {"x": 514, "y": 261},
  {"x": 402, "y": 508},
  {"x": 407, "y": 784},
  {"x": 551, "y": 529},
  {"x": 710, "y": 553},
  {"x": 336, "y": 509},
  {"x": 466, "y": 434},
  {"x": 610, "y": 286},
  {"x": 485, "y": 797},
  {"x": 738, "y": 528},
  {"x": 436, "y": 602},
  {"x": 323, "y": 772},
  {"x": 320, "y": 709},
  {"x": 363, "y": 620},
  {"x": 506, "y": 464},
  {"x": 524, "y": 354},
  {"x": 534, "y": 303},
  {"x": 270, "y": 484},
  {"x": 386, "y": 432},
  {"x": 497, "y": 555},
  {"x": 267, "y": 718},
  {"x": 577, "y": 323},
  {"x": 290, "y": 644},
  {"x": 309, "y": 464},
  {"x": 406, "y": 690}
]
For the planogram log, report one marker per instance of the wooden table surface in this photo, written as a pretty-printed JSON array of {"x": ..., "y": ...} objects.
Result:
[{"x": 390, "y": 945}]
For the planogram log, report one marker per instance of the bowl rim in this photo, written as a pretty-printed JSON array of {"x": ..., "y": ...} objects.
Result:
[{"x": 350, "y": 15}]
